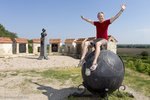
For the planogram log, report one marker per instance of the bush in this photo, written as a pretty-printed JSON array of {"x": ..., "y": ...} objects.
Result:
[
  {"x": 30, "y": 49},
  {"x": 147, "y": 68},
  {"x": 144, "y": 55},
  {"x": 131, "y": 65},
  {"x": 139, "y": 65},
  {"x": 146, "y": 61}
]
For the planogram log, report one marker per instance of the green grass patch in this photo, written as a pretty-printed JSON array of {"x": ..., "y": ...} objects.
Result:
[
  {"x": 31, "y": 73},
  {"x": 114, "y": 96},
  {"x": 64, "y": 74},
  {"x": 137, "y": 81},
  {"x": 121, "y": 96}
]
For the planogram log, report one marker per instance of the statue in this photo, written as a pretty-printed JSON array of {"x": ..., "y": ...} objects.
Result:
[{"x": 43, "y": 49}]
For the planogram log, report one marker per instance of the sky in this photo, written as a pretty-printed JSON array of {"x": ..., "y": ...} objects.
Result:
[{"x": 61, "y": 18}]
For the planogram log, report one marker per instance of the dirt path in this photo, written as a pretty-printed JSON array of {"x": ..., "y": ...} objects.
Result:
[
  {"x": 137, "y": 95},
  {"x": 31, "y": 62}
]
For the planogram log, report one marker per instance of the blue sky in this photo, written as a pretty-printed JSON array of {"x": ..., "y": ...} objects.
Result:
[{"x": 61, "y": 18}]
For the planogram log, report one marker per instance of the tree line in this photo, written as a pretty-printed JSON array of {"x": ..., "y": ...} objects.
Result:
[{"x": 6, "y": 33}]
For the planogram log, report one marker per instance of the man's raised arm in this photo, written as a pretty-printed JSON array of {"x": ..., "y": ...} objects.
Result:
[
  {"x": 123, "y": 7},
  {"x": 87, "y": 20}
]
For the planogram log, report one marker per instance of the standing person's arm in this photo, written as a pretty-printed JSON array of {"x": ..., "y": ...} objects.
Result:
[
  {"x": 87, "y": 20},
  {"x": 123, "y": 7}
]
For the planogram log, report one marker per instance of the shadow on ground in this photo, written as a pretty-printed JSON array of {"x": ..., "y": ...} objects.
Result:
[{"x": 62, "y": 94}]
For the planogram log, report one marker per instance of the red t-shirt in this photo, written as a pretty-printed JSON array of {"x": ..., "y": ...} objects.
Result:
[{"x": 102, "y": 28}]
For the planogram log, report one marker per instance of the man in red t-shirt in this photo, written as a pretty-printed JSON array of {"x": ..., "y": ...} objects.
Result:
[{"x": 101, "y": 35}]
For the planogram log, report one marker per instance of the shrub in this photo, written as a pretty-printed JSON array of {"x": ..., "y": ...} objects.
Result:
[
  {"x": 147, "y": 68},
  {"x": 139, "y": 65},
  {"x": 131, "y": 65},
  {"x": 30, "y": 49},
  {"x": 144, "y": 55}
]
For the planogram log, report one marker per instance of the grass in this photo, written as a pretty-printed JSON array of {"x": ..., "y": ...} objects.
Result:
[
  {"x": 114, "y": 96},
  {"x": 137, "y": 81},
  {"x": 121, "y": 96},
  {"x": 64, "y": 74},
  {"x": 3, "y": 75}
]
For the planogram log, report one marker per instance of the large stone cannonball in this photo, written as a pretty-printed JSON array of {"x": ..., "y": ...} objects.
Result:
[{"x": 108, "y": 75}]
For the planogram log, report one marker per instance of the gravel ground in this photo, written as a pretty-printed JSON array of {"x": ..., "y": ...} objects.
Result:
[{"x": 32, "y": 62}]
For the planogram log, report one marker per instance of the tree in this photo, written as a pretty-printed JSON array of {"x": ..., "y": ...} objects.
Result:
[{"x": 6, "y": 33}]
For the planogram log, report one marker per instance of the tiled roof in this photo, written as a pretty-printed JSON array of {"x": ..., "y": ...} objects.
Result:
[
  {"x": 69, "y": 40},
  {"x": 5, "y": 40},
  {"x": 91, "y": 38},
  {"x": 36, "y": 40},
  {"x": 55, "y": 41},
  {"x": 80, "y": 40},
  {"x": 21, "y": 40}
]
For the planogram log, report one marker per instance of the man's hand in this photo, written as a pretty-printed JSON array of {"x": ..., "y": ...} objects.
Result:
[
  {"x": 82, "y": 17},
  {"x": 88, "y": 20},
  {"x": 123, "y": 7}
]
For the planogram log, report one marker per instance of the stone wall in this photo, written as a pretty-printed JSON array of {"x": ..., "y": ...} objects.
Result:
[
  {"x": 112, "y": 46},
  {"x": 36, "y": 48},
  {"x": 5, "y": 49}
]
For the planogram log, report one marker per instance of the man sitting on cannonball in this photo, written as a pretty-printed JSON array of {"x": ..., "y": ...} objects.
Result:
[{"x": 101, "y": 35}]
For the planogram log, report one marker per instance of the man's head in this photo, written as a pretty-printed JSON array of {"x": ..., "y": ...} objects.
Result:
[
  {"x": 100, "y": 16},
  {"x": 43, "y": 30}
]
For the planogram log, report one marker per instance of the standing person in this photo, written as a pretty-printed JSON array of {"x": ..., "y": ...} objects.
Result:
[{"x": 101, "y": 35}]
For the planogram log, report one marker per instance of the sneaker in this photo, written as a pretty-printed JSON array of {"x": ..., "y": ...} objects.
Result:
[
  {"x": 87, "y": 72},
  {"x": 81, "y": 62},
  {"x": 93, "y": 67}
]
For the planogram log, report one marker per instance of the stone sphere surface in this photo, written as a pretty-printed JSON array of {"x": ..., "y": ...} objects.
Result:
[{"x": 108, "y": 75}]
